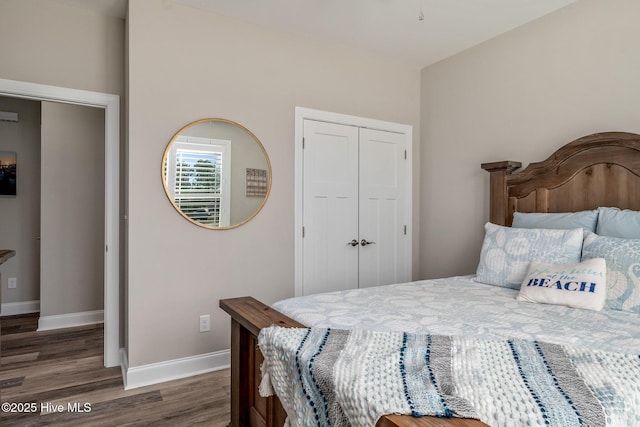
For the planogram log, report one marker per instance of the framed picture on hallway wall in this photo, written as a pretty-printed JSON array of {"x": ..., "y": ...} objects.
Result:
[{"x": 7, "y": 173}]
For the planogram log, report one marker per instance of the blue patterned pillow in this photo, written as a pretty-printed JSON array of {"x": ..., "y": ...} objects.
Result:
[
  {"x": 507, "y": 252},
  {"x": 623, "y": 269}
]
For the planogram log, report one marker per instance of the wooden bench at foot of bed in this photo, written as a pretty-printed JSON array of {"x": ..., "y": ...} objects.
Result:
[{"x": 248, "y": 408}]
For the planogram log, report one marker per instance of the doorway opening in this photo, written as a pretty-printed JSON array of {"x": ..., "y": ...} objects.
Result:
[{"x": 111, "y": 105}]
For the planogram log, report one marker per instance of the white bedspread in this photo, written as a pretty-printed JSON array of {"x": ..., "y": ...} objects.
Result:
[{"x": 459, "y": 306}]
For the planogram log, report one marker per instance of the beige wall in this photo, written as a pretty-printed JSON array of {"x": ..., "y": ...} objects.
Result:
[
  {"x": 20, "y": 224},
  {"x": 185, "y": 64},
  {"x": 72, "y": 209},
  {"x": 55, "y": 44},
  {"x": 518, "y": 97}
]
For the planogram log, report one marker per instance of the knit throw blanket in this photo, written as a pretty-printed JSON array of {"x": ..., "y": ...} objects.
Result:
[{"x": 329, "y": 377}]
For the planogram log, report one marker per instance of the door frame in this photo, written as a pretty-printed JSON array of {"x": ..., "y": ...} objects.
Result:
[
  {"x": 301, "y": 114},
  {"x": 111, "y": 105}
]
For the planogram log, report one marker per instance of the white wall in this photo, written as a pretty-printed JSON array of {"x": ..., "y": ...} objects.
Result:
[
  {"x": 518, "y": 97},
  {"x": 20, "y": 214},
  {"x": 186, "y": 64}
]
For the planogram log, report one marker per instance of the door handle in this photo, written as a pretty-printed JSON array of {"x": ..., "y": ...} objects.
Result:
[
  {"x": 365, "y": 243},
  {"x": 354, "y": 242}
]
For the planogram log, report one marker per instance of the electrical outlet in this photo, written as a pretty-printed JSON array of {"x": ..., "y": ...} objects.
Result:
[
  {"x": 13, "y": 282},
  {"x": 205, "y": 323}
]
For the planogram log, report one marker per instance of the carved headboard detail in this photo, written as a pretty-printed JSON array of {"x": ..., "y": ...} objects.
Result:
[{"x": 602, "y": 169}]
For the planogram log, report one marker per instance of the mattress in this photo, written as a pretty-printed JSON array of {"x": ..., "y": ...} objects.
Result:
[{"x": 460, "y": 306}]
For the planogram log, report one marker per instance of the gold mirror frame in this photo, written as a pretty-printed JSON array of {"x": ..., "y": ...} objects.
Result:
[{"x": 181, "y": 133}]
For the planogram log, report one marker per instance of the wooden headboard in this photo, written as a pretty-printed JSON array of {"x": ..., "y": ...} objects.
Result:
[{"x": 602, "y": 169}]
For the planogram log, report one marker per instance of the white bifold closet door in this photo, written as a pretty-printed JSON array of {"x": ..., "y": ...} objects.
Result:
[{"x": 353, "y": 200}]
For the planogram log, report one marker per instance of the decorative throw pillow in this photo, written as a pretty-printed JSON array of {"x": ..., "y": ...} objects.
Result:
[
  {"x": 581, "y": 285},
  {"x": 623, "y": 269},
  {"x": 507, "y": 252},
  {"x": 565, "y": 220},
  {"x": 614, "y": 222}
]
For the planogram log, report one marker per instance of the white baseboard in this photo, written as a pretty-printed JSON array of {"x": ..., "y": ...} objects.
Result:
[
  {"x": 154, "y": 373},
  {"x": 22, "y": 307},
  {"x": 70, "y": 320}
]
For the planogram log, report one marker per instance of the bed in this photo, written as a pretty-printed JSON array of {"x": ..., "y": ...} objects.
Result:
[{"x": 599, "y": 170}]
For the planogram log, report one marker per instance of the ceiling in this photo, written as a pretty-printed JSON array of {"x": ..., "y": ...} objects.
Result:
[
  {"x": 115, "y": 8},
  {"x": 390, "y": 27}
]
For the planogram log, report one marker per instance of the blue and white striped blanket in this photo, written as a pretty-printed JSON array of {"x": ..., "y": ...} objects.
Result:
[{"x": 330, "y": 377}]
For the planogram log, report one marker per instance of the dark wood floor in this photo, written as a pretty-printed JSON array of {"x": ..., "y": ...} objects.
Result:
[{"x": 65, "y": 367}]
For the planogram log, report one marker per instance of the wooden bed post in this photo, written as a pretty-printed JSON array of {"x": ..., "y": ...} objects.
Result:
[
  {"x": 499, "y": 197},
  {"x": 239, "y": 368},
  {"x": 248, "y": 317}
]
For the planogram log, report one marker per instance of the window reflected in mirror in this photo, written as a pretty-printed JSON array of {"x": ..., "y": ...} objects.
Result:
[{"x": 216, "y": 173}]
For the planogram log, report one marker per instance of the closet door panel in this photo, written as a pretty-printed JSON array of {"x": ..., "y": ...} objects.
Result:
[
  {"x": 381, "y": 212},
  {"x": 330, "y": 207}
]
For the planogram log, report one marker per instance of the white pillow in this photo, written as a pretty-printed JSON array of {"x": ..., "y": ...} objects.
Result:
[
  {"x": 581, "y": 285},
  {"x": 506, "y": 252}
]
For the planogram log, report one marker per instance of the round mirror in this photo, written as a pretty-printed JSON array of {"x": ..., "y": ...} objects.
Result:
[{"x": 216, "y": 173}]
